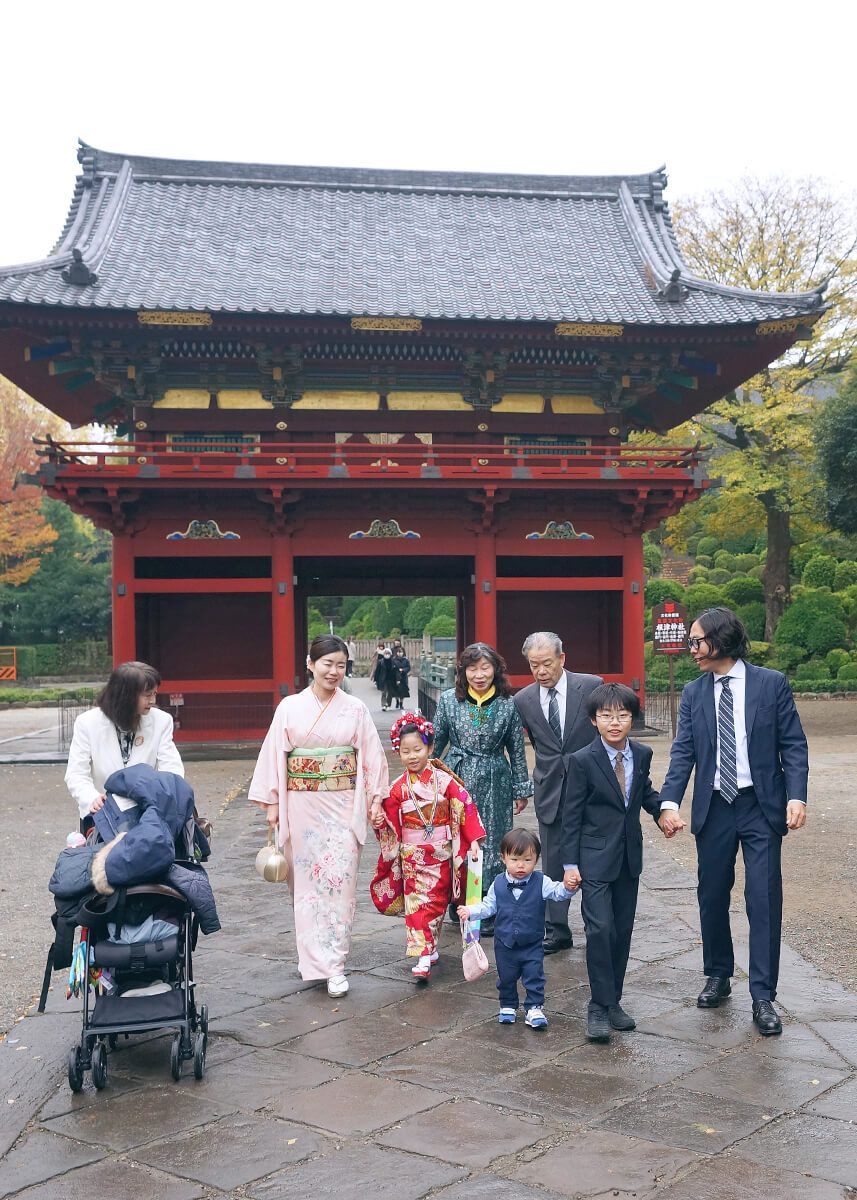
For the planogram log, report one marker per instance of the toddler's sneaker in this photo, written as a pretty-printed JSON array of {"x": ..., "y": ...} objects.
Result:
[
  {"x": 422, "y": 970},
  {"x": 536, "y": 1019},
  {"x": 507, "y": 1016},
  {"x": 337, "y": 985}
]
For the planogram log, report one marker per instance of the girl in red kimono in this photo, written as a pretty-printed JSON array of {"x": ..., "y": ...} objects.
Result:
[{"x": 426, "y": 827}]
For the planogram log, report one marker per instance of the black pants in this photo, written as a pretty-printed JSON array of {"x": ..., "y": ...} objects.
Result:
[
  {"x": 526, "y": 963},
  {"x": 726, "y": 827},
  {"x": 608, "y": 910}
]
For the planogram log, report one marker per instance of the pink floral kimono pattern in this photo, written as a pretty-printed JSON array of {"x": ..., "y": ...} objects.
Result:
[
  {"x": 322, "y": 832},
  {"x": 418, "y": 875}
]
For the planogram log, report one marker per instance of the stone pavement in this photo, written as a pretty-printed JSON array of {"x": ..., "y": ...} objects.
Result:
[{"x": 415, "y": 1090}]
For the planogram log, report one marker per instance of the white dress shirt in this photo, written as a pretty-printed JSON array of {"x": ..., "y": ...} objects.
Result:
[
  {"x": 627, "y": 761},
  {"x": 561, "y": 691},
  {"x": 737, "y": 685}
]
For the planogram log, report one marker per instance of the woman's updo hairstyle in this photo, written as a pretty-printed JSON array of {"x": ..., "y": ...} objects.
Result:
[{"x": 328, "y": 643}]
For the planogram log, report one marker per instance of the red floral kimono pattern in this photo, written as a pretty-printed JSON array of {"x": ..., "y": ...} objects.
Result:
[{"x": 420, "y": 877}]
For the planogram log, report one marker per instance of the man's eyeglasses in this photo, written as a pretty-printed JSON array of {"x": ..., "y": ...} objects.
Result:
[{"x": 693, "y": 643}]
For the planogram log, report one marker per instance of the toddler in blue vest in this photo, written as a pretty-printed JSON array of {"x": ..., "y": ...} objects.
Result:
[{"x": 516, "y": 899}]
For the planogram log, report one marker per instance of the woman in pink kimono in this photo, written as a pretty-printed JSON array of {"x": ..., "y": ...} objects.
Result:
[{"x": 320, "y": 769}]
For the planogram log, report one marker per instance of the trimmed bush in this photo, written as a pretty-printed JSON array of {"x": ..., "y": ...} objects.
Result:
[
  {"x": 760, "y": 653},
  {"x": 847, "y": 673},
  {"x": 697, "y": 575},
  {"x": 845, "y": 575},
  {"x": 819, "y": 572},
  {"x": 826, "y": 633},
  {"x": 704, "y": 560},
  {"x": 725, "y": 561},
  {"x": 757, "y": 572},
  {"x": 743, "y": 590},
  {"x": 753, "y": 616},
  {"x": 835, "y": 659},
  {"x": 746, "y": 562},
  {"x": 707, "y": 545},
  {"x": 785, "y": 657},
  {"x": 814, "y": 669},
  {"x": 718, "y": 576},
  {"x": 658, "y": 590},
  {"x": 441, "y": 626},
  {"x": 700, "y": 596},
  {"x": 797, "y": 622}
]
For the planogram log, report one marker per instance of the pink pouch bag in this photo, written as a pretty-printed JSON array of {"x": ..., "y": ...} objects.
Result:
[{"x": 474, "y": 961}]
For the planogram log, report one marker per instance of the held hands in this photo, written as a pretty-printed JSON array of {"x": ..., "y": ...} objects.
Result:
[
  {"x": 670, "y": 823},
  {"x": 795, "y": 814},
  {"x": 376, "y": 815},
  {"x": 463, "y": 912},
  {"x": 572, "y": 879}
]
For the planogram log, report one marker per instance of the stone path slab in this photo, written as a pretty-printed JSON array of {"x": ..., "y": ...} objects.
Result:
[{"x": 415, "y": 1090}]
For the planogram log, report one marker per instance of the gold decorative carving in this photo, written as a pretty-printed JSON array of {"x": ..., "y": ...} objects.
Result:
[
  {"x": 384, "y": 529},
  {"x": 574, "y": 404},
  {"x": 427, "y": 402},
  {"x": 482, "y": 427},
  {"x": 281, "y": 425},
  {"x": 203, "y": 531},
  {"x": 281, "y": 462},
  {"x": 387, "y": 324},
  {"x": 157, "y": 317},
  {"x": 767, "y": 328},
  {"x": 140, "y": 425},
  {"x": 580, "y": 329},
  {"x": 483, "y": 462},
  {"x": 613, "y": 430},
  {"x": 559, "y": 531}
]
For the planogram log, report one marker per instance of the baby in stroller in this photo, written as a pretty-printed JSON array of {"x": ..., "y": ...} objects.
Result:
[{"x": 139, "y": 894}]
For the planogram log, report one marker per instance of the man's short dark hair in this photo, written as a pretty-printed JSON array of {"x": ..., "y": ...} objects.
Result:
[
  {"x": 613, "y": 695},
  {"x": 518, "y": 841},
  {"x": 724, "y": 632}
]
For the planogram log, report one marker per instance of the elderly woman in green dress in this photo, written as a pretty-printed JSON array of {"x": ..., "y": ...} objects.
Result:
[{"x": 479, "y": 734}]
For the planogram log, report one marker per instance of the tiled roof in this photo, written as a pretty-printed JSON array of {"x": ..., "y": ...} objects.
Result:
[{"x": 148, "y": 233}]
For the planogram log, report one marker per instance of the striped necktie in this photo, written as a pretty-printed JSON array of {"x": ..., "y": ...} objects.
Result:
[
  {"x": 553, "y": 714},
  {"x": 726, "y": 730}
]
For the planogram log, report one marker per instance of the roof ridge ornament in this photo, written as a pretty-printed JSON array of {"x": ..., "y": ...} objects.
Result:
[{"x": 78, "y": 272}]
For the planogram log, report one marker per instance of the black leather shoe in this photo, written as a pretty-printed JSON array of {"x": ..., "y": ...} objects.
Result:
[
  {"x": 766, "y": 1018},
  {"x": 597, "y": 1023},
  {"x": 619, "y": 1019},
  {"x": 486, "y": 927},
  {"x": 716, "y": 989},
  {"x": 553, "y": 945}
]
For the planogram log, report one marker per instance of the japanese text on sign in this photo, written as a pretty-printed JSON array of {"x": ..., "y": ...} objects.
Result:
[{"x": 669, "y": 628}]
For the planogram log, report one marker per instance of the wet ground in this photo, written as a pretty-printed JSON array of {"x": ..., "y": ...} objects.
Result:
[{"x": 415, "y": 1089}]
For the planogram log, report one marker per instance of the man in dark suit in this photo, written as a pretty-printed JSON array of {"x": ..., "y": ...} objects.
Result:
[
  {"x": 553, "y": 711},
  {"x": 738, "y": 726},
  {"x": 607, "y": 784}
]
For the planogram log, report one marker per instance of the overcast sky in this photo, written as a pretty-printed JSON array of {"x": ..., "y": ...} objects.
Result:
[{"x": 713, "y": 89}]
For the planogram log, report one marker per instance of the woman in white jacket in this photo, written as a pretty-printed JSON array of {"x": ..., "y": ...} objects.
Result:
[{"x": 126, "y": 728}]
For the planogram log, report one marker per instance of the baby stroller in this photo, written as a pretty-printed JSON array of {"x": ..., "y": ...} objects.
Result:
[
  {"x": 137, "y": 891},
  {"x": 136, "y": 964}
]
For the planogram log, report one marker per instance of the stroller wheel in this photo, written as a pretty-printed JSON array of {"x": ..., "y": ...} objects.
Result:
[
  {"x": 199, "y": 1056},
  {"x": 176, "y": 1057},
  {"x": 99, "y": 1065},
  {"x": 75, "y": 1069}
]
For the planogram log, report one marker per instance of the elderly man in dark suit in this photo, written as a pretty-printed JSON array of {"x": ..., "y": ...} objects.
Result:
[
  {"x": 739, "y": 728},
  {"x": 553, "y": 710}
]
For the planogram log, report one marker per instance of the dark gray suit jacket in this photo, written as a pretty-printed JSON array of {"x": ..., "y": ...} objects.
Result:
[
  {"x": 552, "y": 759},
  {"x": 597, "y": 829}
]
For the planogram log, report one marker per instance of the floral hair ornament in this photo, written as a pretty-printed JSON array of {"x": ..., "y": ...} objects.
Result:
[{"x": 423, "y": 725}]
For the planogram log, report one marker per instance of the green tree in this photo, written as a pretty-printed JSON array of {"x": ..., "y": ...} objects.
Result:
[
  {"x": 836, "y": 439},
  {"x": 778, "y": 235},
  {"x": 69, "y": 595}
]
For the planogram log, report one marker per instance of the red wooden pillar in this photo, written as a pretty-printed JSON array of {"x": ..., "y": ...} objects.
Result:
[
  {"x": 124, "y": 631},
  {"x": 486, "y": 588},
  {"x": 633, "y": 636},
  {"x": 283, "y": 615}
]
